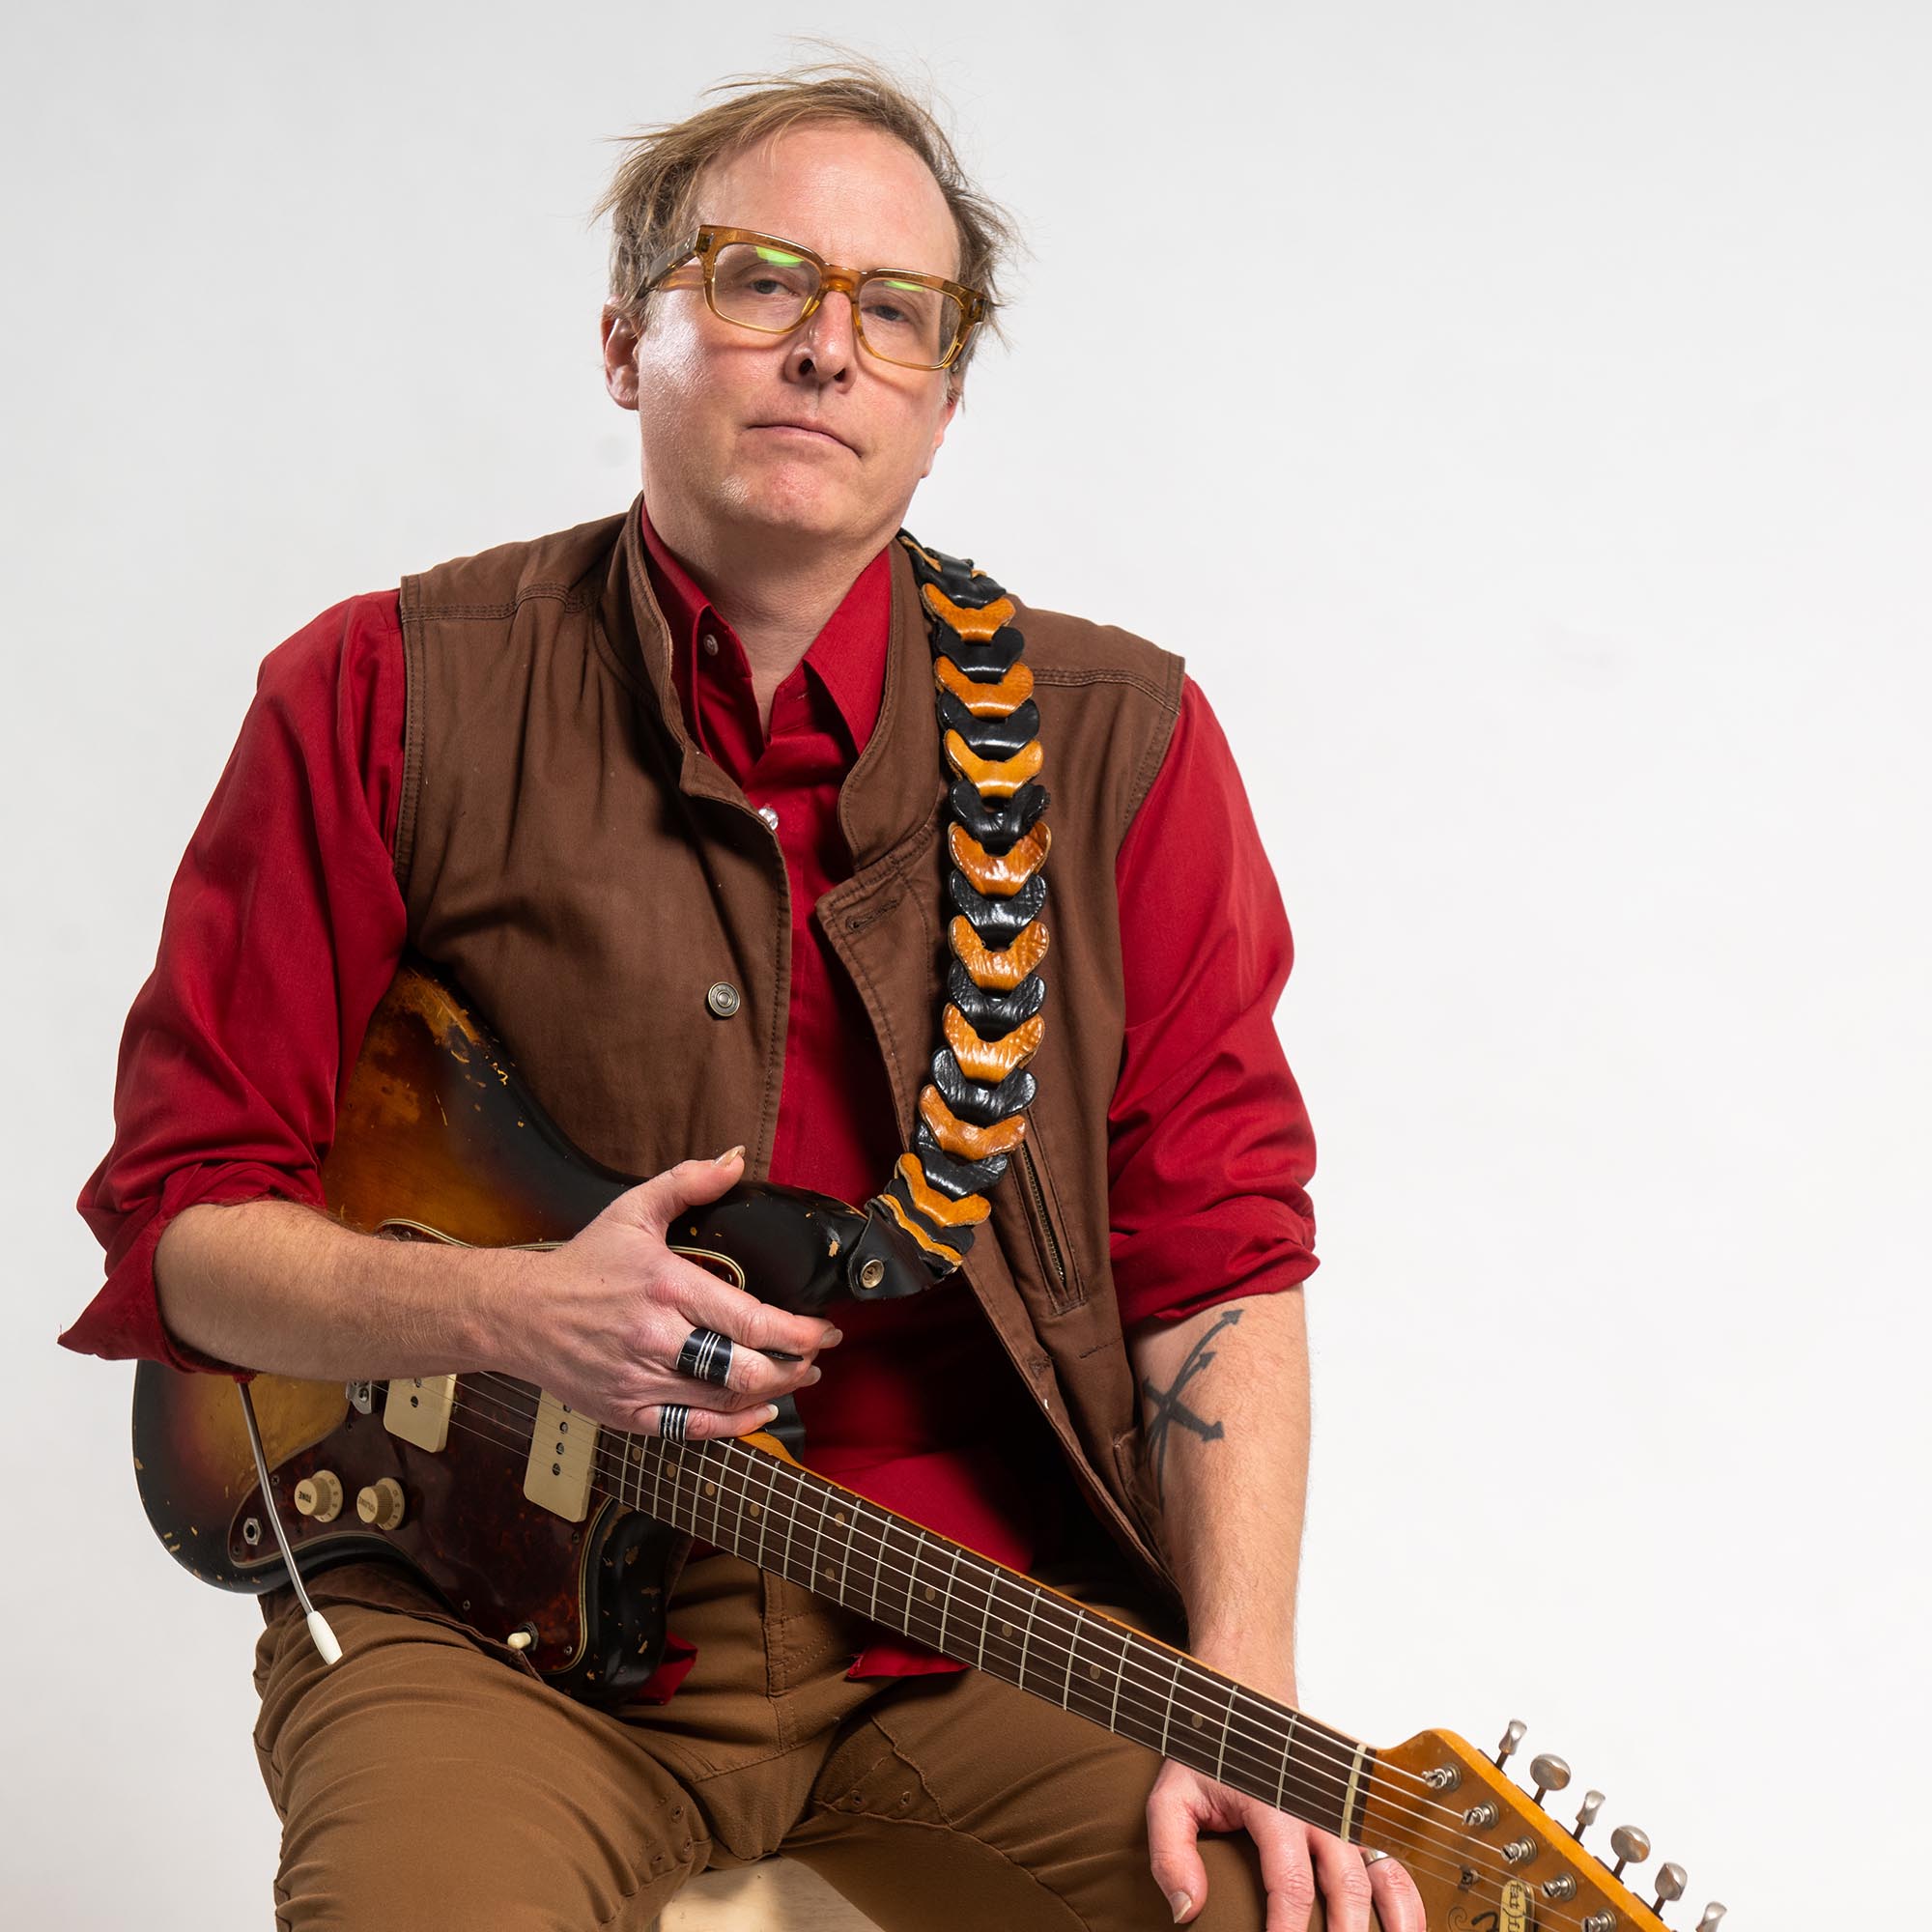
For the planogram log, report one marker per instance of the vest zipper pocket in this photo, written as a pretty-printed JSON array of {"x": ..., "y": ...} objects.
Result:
[{"x": 1063, "y": 1290}]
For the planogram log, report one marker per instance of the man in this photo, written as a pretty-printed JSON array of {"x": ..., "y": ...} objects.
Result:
[{"x": 662, "y": 793}]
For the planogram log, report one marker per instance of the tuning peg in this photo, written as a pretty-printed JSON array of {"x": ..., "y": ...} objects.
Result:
[
  {"x": 1593, "y": 1802},
  {"x": 1550, "y": 1773},
  {"x": 1670, "y": 1885},
  {"x": 1632, "y": 1845},
  {"x": 1511, "y": 1737},
  {"x": 1713, "y": 1913}
]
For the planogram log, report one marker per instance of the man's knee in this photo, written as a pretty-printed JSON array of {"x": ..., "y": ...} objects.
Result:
[{"x": 421, "y": 1781}]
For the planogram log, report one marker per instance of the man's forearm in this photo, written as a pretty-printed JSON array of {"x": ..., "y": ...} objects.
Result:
[
  {"x": 272, "y": 1285},
  {"x": 1224, "y": 1409}
]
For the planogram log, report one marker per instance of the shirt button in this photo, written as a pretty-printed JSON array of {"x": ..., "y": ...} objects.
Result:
[
  {"x": 710, "y": 644},
  {"x": 723, "y": 998},
  {"x": 770, "y": 816}
]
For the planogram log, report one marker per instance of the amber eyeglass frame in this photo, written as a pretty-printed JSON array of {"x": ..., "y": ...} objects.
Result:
[{"x": 832, "y": 279}]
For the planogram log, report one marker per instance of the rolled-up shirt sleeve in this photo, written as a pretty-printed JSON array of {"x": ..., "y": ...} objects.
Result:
[
  {"x": 283, "y": 927},
  {"x": 1209, "y": 1146}
]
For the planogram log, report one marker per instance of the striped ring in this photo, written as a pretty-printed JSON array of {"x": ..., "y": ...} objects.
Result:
[
  {"x": 674, "y": 1422},
  {"x": 706, "y": 1357}
]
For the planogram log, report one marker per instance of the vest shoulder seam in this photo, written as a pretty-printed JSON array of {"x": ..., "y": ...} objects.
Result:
[{"x": 571, "y": 595}]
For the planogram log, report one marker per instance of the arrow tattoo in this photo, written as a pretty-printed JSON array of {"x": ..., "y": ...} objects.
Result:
[{"x": 1167, "y": 1407}]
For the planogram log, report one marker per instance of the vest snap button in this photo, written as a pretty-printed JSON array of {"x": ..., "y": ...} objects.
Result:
[
  {"x": 723, "y": 998},
  {"x": 769, "y": 816}
]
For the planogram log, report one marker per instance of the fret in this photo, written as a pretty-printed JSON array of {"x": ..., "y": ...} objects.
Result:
[
  {"x": 792, "y": 1524},
  {"x": 1167, "y": 1718},
  {"x": 1120, "y": 1676},
  {"x": 817, "y": 1537},
  {"x": 1026, "y": 1636},
  {"x": 1227, "y": 1725},
  {"x": 945, "y": 1607},
  {"x": 1348, "y": 1797},
  {"x": 657, "y": 1481},
  {"x": 722, "y": 1472},
  {"x": 1286, "y": 1751},
  {"x": 1072, "y": 1651},
  {"x": 766, "y": 1466},
  {"x": 852, "y": 1555}
]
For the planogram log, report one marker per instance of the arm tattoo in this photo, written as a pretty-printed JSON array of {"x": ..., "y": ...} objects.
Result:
[{"x": 1166, "y": 1408}]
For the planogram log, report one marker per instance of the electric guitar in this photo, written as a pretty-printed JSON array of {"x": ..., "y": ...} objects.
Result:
[{"x": 563, "y": 1537}]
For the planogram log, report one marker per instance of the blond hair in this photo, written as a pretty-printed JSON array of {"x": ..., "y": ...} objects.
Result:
[{"x": 652, "y": 197}]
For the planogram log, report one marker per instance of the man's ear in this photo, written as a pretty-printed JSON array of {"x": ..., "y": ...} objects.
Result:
[
  {"x": 621, "y": 356},
  {"x": 955, "y": 395}
]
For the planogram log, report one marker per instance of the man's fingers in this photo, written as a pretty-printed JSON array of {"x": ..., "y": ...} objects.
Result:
[
  {"x": 1172, "y": 1857},
  {"x": 1346, "y": 1896},
  {"x": 703, "y": 1302},
  {"x": 689, "y": 1424},
  {"x": 1398, "y": 1903},
  {"x": 1283, "y": 1845},
  {"x": 691, "y": 1183}
]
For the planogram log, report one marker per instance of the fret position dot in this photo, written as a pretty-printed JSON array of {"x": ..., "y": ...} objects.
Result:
[
  {"x": 711, "y": 1489},
  {"x": 755, "y": 1509},
  {"x": 931, "y": 1595},
  {"x": 1093, "y": 1671},
  {"x": 1195, "y": 1720},
  {"x": 1006, "y": 1630},
  {"x": 830, "y": 1573},
  {"x": 839, "y": 1517}
]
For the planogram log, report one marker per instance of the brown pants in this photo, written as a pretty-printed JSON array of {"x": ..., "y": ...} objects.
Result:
[{"x": 423, "y": 1783}]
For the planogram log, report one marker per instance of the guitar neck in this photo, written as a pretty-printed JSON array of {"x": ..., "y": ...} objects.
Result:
[{"x": 803, "y": 1527}]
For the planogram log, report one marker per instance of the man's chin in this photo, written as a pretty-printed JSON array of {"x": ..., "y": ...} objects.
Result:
[{"x": 804, "y": 515}]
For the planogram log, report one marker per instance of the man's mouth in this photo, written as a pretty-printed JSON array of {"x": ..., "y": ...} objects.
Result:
[{"x": 816, "y": 431}]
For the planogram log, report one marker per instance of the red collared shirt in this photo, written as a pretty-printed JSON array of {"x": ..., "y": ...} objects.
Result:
[{"x": 285, "y": 925}]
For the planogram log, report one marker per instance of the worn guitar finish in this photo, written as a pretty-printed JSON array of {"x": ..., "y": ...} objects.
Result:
[{"x": 437, "y": 1139}]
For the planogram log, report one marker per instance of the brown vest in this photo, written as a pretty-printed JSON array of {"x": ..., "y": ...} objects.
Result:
[{"x": 587, "y": 874}]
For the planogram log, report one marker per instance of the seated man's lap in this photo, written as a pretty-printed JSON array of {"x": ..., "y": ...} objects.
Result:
[{"x": 422, "y": 1782}]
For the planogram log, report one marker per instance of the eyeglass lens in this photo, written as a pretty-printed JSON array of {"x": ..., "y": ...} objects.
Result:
[{"x": 899, "y": 322}]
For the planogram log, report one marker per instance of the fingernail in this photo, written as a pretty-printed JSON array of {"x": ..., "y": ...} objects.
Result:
[
  {"x": 833, "y": 1335},
  {"x": 1182, "y": 1903},
  {"x": 771, "y": 1412},
  {"x": 816, "y": 1375},
  {"x": 730, "y": 1155}
]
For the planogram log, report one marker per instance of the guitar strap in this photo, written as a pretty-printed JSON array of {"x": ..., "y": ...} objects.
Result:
[{"x": 972, "y": 1115}]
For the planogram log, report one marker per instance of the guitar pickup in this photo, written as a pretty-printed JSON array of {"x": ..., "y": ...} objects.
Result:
[
  {"x": 562, "y": 1459},
  {"x": 418, "y": 1410}
]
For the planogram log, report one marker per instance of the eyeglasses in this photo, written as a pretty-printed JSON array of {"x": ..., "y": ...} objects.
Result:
[{"x": 916, "y": 320}]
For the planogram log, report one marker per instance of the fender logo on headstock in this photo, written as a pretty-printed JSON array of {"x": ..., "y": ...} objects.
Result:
[{"x": 1512, "y": 1914}]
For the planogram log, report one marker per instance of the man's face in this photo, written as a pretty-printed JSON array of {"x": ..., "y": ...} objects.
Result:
[{"x": 806, "y": 435}]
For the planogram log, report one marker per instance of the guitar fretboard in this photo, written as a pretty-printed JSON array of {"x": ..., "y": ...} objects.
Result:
[{"x": 893, "y": 1572}]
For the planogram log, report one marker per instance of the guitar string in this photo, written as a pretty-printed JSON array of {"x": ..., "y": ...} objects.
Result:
[
  {"x": 1446, "y": 1819},
  {"x": 615, "y": 1466},
  {"x": 1416, "y": 1853}
]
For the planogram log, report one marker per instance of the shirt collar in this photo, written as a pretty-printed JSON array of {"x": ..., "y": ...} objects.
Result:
[{"x": 848, "y": 658}]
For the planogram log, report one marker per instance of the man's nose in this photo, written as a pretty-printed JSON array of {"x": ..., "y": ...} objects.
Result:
[{"x": 825, "y": 348}]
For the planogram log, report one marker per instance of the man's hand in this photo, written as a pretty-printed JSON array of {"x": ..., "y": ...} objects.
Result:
[
  {"x": 604, "y": 1315},
  {"x": 1295, "y": 1859}
]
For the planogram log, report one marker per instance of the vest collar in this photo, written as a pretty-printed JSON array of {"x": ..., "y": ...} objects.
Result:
[{"x": 895, "y": 786}]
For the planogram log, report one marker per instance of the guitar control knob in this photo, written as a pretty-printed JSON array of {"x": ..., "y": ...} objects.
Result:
[
  {"x": 1550, "y": 1773},
  {"x": 1713, "y": 1914},
  {"x": 1670, "y": 1885},
  {"x": 320, "y": 1497},
  {"x": 382, "y": 1504},
  {"x": 1632, "y": 1846},
  {"x": 1593, "y": 1802},
  {"x": 1511, "y": 1737}
]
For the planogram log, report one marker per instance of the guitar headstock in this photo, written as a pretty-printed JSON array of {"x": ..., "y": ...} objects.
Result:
[{"x": 1489, "y": 1856}]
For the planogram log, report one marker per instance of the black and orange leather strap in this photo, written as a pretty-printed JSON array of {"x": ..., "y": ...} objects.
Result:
[{"x": 972, "y": 1116}]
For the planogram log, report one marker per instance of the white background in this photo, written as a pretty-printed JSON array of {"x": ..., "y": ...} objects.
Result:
[{"x": 1517, "y": 412}]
